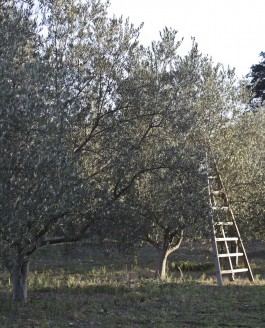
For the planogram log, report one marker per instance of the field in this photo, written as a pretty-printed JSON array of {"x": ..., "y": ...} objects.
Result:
[{"x": 83, "y": 285}]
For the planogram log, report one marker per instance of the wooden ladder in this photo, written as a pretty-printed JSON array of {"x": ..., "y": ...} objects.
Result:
[{"x": 229, "y": 252}]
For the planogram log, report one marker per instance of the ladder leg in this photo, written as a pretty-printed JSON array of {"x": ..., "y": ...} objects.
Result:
[
  {"x": 232, "y": 276},
  {"x": 217, "y": 263}
]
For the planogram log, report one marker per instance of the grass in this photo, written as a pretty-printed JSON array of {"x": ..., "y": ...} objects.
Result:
[{"x": 83, "y": 286}]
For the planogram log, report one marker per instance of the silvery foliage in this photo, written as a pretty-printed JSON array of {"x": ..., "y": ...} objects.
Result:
[{"x": 60, "y": 70}]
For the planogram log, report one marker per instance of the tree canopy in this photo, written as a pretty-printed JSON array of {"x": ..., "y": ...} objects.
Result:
[{"x": 101, "y": 136}]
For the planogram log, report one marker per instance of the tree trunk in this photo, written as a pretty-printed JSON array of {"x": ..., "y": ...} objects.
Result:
[
  {"x": 162, "y": 264},
  {"x": 167, "y": 249},
  {"x": 20, "y": 278},
  {"x": 162, "y": 258}
]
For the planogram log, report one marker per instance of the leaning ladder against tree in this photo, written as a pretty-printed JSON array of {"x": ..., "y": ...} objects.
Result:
[{"x": 229, "y": 253}]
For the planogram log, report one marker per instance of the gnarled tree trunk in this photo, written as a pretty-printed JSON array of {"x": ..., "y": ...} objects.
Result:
[
  {"x": 20, "y": 279},
  {"x": 163, "y": 254},
  {"x": 162, "y": 264}
]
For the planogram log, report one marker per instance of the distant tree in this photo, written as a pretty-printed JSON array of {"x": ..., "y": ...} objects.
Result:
[{"x": 257, "y": 79}]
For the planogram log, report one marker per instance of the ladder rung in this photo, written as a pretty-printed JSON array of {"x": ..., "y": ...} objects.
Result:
[
  {"x": 224, "y": 208},
  {"x": 223, "y": 223},
  {"x": 234, "y": 271},
  {"x": 230, "y": 254},
  {"x": 217, "y": 192},
  {"x": 227, "y": 239}
]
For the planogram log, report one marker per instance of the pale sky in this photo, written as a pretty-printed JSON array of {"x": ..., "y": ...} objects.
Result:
[{"x": 232, "y": 32}]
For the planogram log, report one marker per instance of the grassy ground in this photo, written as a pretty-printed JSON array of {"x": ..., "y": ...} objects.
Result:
[{"x": 83, "y": 286}]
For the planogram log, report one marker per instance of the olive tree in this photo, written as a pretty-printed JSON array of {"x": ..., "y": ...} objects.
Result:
[
  {"x": 200, "y": 102},
  {"x": 59, "y": 74},
  {"x": 40, "y": 176},
  {"x": 96, "y": 129},
  {"x": 175, "y": 97}
]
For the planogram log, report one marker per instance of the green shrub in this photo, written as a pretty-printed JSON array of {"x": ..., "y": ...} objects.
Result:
[{"x": 191, "y": 266}]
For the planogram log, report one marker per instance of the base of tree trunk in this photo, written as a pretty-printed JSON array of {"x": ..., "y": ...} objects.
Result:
[
  {"x": 162, "y": 265},
  {"x": 20, "y": 278}
]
